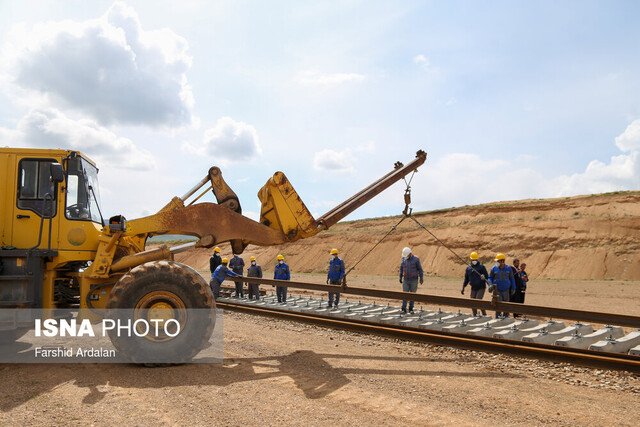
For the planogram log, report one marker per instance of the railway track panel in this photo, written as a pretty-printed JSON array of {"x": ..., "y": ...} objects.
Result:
[{"x": 550, "y": 340}]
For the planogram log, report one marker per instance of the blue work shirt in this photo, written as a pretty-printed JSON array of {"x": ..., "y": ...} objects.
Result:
[
  {"x": 336, "y": 269},
  {"x": 502, "y": 278},
  {"x": 236, "y": 264},
  {"x": 254, "y": 270},
  {"x": 474, "y": 278},
  {"x": 410, "y": 268},
  {"x": 281, "y": 272},
  {"x": 221, "y": 273}
]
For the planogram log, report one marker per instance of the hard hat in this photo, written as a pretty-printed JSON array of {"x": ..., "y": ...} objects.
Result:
[
  {"x": 500, "y": 257},
  {"x": 474, "y": 255},
  {"x": 406, "y": 252},
  {"x": 334, "y": 251},
  {"x": 280, "y": 257},
  {"x": 216, "y": 249},
  {"x": 225, "y": 261},
  {"x": 252, "y": 258}
]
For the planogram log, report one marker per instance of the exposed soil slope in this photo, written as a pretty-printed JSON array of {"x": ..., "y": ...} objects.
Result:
[{"x": 583, "y": 237}]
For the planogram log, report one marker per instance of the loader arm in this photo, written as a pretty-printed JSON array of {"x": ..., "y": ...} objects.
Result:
[{"x": 283, "y": 217}]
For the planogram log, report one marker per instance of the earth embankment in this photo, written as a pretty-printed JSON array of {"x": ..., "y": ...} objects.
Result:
[{"x": 583, "y": 237}]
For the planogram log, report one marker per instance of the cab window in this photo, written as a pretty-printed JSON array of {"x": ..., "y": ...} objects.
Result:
[{"x": 36, "y": 190}]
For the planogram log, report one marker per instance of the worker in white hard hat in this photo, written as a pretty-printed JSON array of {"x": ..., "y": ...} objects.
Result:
[
  {"x": 476, "y": 275},
  {"x": 215, "y": 259},
  {"x": 410, "y": 273},
  {"x": 334, "y": 276}
]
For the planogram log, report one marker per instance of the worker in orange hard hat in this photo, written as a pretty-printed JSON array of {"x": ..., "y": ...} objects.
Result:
[{"x": 334, "y": 276}]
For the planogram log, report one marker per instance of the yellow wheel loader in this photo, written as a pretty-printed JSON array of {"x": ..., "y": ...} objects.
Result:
[{"x": 58, "y": 252}]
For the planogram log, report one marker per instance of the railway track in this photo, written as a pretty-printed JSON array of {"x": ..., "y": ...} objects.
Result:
[{"x": 458, "y": 329}]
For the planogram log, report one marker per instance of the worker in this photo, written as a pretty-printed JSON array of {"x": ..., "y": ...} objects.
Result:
[
  {"x": 254, "y": 270},
  {"x": 237, "y": 266},
  {"x": 410, "y": 272},
  {"x": 476, "y": 274},
  {"x": 516, "y": 297},
  {"x": 525, "y": 280},
  {"x": 215, "y": 259},
  {"x": 502, "y": 277},
  {"x": 281, "y": 272},
  {"x": 335, "y": 275},
  {"x": 218, "y": 277}
]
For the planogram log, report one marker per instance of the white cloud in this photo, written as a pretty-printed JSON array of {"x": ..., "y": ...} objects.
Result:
[
  {"x": 629, "y": 140},
  {"x": 109, "y": 68},
  {"x": 52, "y": 129},
  {"x": 423, "y": 62},
  {"x": 313, "y": 78},
  {"x": 334, "y": 161},
  {"x": 459, "y": 178},
  {"x": 229, "y": 141}
]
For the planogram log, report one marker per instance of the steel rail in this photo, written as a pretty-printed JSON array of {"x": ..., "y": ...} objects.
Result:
[
  {"x": 494, "y": 304},
  {"x": 576, "y": 356}
]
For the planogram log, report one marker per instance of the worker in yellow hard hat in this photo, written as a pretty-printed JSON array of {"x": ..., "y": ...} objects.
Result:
[
  {"x": 281, "y": 272},
  {"x": 218, "y": 277},
  {"x": 334, "y": 276},
  {"x": 254, "y": 270},
  {"x": 501, "y": 276},
  {"x": 215, "y": 259},
  {"x": 476, "y": 275}
]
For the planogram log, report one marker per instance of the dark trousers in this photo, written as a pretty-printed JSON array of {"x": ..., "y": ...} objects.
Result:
[
  {"x": 281, "y": 291},
  {"x": 215, "y": 287},
  {"x": 333, "y": 295},
  {"x": 409, "y": 285},
  {"x": 503, "y": 296},
  {"x": 239, "y": 291},
  {"x": 478, "y": 294},
  {"x": 254, "y": 289},
  {"x": 518, "y": 297}
]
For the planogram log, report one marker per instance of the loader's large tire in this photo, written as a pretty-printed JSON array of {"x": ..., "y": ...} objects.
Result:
[{"x": 167, "y": 286}]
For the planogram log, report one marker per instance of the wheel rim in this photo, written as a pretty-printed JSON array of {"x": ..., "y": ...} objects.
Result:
[{"x": 162, "y": 306}]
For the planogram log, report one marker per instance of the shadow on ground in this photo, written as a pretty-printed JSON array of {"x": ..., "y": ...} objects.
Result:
[{"x": 311, "y": 372}]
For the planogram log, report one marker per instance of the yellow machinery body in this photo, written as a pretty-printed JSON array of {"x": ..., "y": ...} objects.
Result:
[{"x": 58, "y": 251}]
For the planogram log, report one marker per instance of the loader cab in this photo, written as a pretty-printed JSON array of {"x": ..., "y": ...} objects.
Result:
[{"x": 82, "y": 192}]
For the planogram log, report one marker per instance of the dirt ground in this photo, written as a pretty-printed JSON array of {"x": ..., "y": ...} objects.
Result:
[
  {"x": 276, "y": 372},
  {"x": 582, "y": 253}
]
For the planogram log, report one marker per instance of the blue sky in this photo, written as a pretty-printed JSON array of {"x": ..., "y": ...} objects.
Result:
[{"x": 510, "y": 99}]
